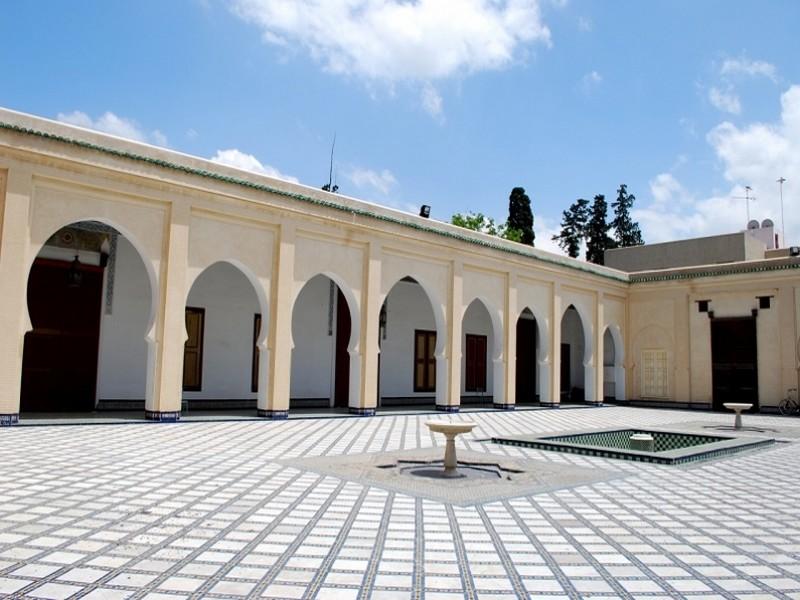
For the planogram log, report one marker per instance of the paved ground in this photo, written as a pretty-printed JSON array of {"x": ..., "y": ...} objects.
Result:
[{"x": 204, "y": 510}]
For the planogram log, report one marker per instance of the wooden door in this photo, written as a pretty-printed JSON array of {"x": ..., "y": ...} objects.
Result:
[
  {"x": 59, "y": 362},
  {"x": 341, "y": 397},
  {"x": 193, "y": 349},
  {"x": 734, "y": 358},
  {"x": 475, "y": 377}
]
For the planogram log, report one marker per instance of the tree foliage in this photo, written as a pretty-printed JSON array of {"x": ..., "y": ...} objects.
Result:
[
  {"x": 597, "y": 228},
  {"x": 626, "y": 230},
  {"x": 520, "y": 216},
  {"x": 483, "y": 224},
  {"x": 573, "y": 226}
]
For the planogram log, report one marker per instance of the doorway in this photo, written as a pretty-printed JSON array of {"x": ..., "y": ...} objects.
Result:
[{"x": 734, "y": 358}]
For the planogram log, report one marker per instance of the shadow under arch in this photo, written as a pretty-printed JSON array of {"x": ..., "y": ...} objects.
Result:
[
  {"x": 436, "y": 356},
  {"x": 90, "y": 251},
  {"x": 247, "y": 335},
  {"x": 344, "y": 356},
  {"x": 615, "y": 366},
  {"x": 585, "y": 359}
]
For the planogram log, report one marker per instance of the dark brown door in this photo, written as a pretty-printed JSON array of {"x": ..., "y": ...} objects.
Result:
[
  {"x": 254, "y": 367},
  {"x": 566, "y": 371},
  {"x": 526, "y": 360},
  {"x": 734, "y": 357},
  {"x": 59, "y": 362},
  {"x": 424, "y": 361},
  {"x": 342, "y": 370},
  {"x": 193, "y": 349},
  {"x": 476, "y": 364}
]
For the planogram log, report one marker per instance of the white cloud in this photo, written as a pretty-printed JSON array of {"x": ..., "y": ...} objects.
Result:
[
  {"x": 545, "y": 229},
  {"x": 382, "y": 181},
  {"x": 590, "y": 81},
  {"x": 390, "y": 41},
  {"x": 726, "y": 101},
  {"x": 248, "y": 162},
  {"x": 756, "y": 155},
  {"x": 752, "y": 68},
  {"x": 585, "y": 24},
  {"x": 431, "y": 101},
  {"x": 108, "y": 122}
]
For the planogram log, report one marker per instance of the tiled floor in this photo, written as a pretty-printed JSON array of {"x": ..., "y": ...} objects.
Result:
[{"x": 184, "y": 510}]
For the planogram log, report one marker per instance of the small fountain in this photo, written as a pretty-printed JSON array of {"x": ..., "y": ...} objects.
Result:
[{"x": 450, "y": 430}]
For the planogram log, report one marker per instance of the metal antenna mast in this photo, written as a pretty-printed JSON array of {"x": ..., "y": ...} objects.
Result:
[
  {"x": 781, "y": 181},
  {"x": 747, "y": 197}
]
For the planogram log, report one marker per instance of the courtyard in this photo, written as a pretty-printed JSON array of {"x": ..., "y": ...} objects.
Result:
[{"x": 244, "y": 508}]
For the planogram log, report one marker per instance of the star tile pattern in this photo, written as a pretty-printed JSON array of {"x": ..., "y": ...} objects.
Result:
[{"x": 205, "y": 510}]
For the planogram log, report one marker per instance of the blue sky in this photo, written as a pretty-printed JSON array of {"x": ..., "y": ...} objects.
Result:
[{"x": 447, "y": 103}]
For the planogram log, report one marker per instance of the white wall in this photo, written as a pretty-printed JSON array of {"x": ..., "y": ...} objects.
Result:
[
  {"x": 477, "y": 322},
  {"x": 314, "y": 350},
  {"x": 230, "y": 303},
  {"x": 572, "y": 334},
  {"x": 407, "y": 309},
  {"x": 122, "y": 363}
]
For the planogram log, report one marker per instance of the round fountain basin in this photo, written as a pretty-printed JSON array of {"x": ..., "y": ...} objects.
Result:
[{"x": 451, "y": 428}]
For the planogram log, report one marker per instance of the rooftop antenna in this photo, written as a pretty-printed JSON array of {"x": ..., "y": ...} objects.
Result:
[
  {"x": 747, "y": 197},
  {"x": 331, "y": 186},
  {"x": 781, "y": 181}
]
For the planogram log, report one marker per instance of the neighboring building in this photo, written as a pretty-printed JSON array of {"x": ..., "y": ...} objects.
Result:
[{"x": 138, "y": 277}]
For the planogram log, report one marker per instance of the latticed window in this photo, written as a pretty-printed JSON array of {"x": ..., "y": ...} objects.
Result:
[{"x": 654, "y": 374}]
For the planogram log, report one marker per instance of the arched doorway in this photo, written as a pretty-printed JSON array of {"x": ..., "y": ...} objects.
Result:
[
  {"x": 529, "y": 380},
  {"x": 613, "y": 366},
  {"x": 411, "y": 349},
  {"x": 481, "y": 347},
  {"x": 221, "y": 356},
  {"x": 90, "y": 305},
  {"x": 323, "y": 338},
  {"x": 576, "y": 373}
]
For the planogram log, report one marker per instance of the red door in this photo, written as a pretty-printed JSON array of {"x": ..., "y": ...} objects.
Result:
[{"x": 475, "y": 378}]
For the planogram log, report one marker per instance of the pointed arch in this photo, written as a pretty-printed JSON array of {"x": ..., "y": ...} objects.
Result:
[
  {"x": 614, "y": 365},
  {"x": 483, "y": 368}
]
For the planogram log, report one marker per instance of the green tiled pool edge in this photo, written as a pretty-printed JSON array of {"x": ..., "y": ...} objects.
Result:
[{"x": 726, "y": 446}]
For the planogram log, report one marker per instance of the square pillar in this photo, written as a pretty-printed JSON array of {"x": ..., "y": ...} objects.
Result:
[
  {"x": 597, "y": 355},
  {"x": 275, "y": 404},
  {"x": 16, "y": 186},
  {"x": 554, "y": 398},
  {"x": 365, "y": 400},
  {"x": 165, "y": 380},
  {"x": 454, "y": 316},
  {"x": 508, "y": 366}
]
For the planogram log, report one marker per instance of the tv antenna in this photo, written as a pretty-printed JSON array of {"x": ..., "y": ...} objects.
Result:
[
  {"x": 780, "y": 182},
  {"x": 747, "y": 197},
  {"x": 331, "y": 186}
]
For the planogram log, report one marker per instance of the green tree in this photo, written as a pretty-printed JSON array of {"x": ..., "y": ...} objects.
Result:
[
  {"x": 520, "y": 217},
  {"x": 573, "y": 227},
  {"x": 483, "y": 224},
  {"x": 597, "y": 238},
  {"x": 626, "y": 230}
]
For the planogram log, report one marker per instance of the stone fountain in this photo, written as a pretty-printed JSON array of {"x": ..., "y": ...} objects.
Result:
[{"x": 450, "y": 429}]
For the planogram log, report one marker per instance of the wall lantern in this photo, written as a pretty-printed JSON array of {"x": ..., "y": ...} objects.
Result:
[
  {"x": 74, "y": 274},
  {"x": 105, "y": 252},
  {"x": 382, "y": 321},
  {"x": 425, "y": 211}
]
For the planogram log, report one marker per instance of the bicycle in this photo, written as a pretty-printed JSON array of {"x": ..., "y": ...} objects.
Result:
[{"x": 789, "y": 405}]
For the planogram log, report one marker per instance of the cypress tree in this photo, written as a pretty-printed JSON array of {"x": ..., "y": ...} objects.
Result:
[{"x": 520, "y": 217}]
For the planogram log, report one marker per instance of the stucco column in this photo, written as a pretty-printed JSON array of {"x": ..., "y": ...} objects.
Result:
[
  {"x": 455, "y": 313},
  {"x": 553, "y": 398},
  {"x": 165, "y": 390},
  {"x": 280, "y": 328},
  {"x": 364, "y": 398},
  {"x": 599, "y": 360},
  {"x": 15, "y": 203},
  {"x": 507, "y": 367}
]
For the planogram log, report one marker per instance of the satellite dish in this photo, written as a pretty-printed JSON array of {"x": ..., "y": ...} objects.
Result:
[
  {"x": 752, "y": 224},
  {"x": 766, "y": 223}
]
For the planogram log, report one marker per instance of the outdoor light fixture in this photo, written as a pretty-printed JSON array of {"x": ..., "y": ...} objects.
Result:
[
  {"x": 74, "y": 275},
  {"x": 425, "y": 211},
  {"x": 105, "y": 251},
  {"x": 382, "y": 321}
]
